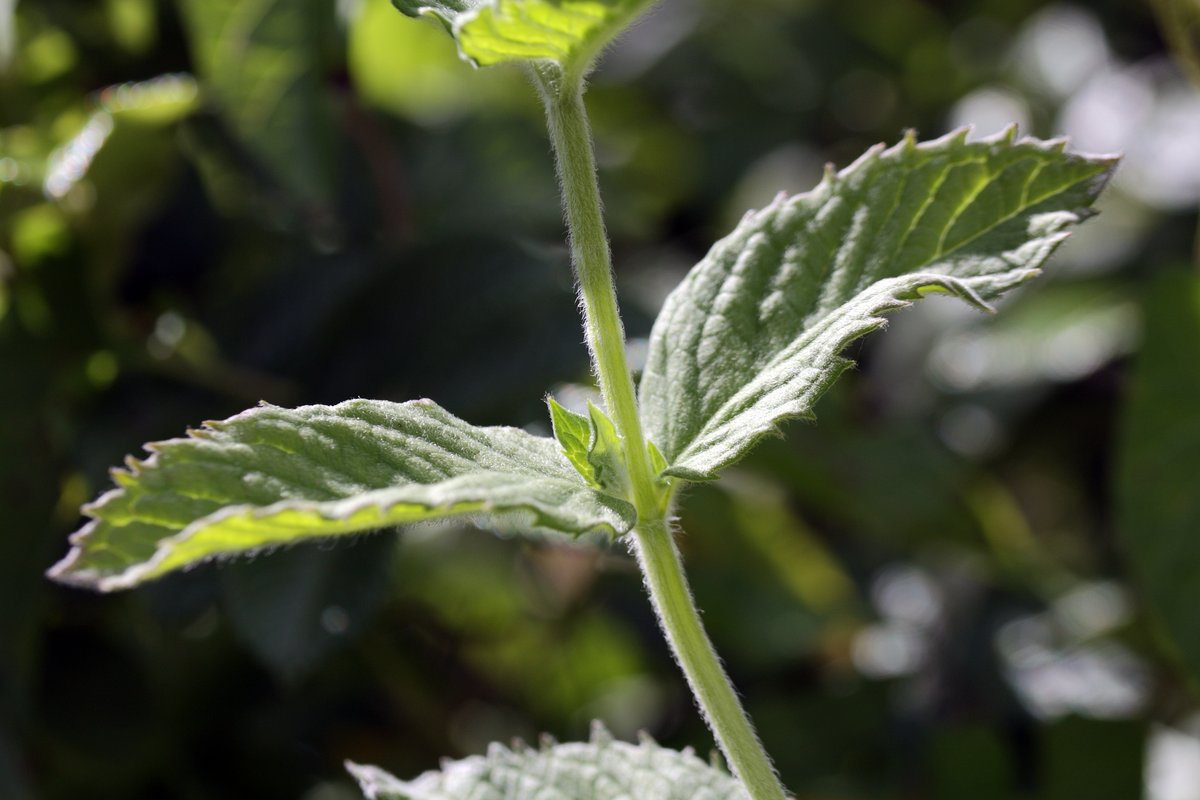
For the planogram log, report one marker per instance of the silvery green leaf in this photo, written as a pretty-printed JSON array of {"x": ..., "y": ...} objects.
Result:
[
  {"x": 272, "y": 476},
  {"x": 601, "y": 769},
  {"x": 753, "y": 335}
]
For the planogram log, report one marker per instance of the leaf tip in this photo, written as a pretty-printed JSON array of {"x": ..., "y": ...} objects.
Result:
[
  {"x": 119, "y": 476},
  {"x": 68, "y": 571},
  {"x": 872, "y": 153},
  {"x": 646, "y": 740},
  {"x": 60, "y": 571},
  {"x": 600, "y": 734},
  {"x": 828, "y": 177},
  {"x": 954, "y": 138}
]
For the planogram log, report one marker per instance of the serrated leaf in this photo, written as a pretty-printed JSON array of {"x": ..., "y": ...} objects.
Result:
[
  {"x": 601, "y": 769},
  {"x": 272, "y": 476},
  {"x": 568, "y": 34},
  {"x": 1159, "y": 461},
  {"x": 753, "y": 334}
]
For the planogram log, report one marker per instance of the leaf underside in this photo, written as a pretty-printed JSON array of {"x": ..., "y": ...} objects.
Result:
[
  {"x": 272, "y": 476},
  {"x": 566, "y": 33},
  {"x": 601, "y": 769},
  {"x": 753, "y": 334},
  {"x": 1159, "y": 461}
]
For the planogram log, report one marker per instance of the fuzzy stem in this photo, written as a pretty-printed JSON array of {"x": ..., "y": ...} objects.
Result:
[
  {"x": 652, "y": 541},
  {"x": 572, "y": 139},
  {"x": 680, "y": 620}
]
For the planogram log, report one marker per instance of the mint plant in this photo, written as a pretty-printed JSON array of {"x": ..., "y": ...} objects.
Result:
[{"x": 750, "y": 339}]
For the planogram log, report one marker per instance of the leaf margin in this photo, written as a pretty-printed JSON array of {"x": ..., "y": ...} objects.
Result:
[
  {"x": 933, "y": 281},
  {"x": 349, "y": 515}
]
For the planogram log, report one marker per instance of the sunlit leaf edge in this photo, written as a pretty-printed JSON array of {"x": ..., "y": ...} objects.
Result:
[
  {"x": 976, "y": 290},
  {"x": 503, "y": 501}
]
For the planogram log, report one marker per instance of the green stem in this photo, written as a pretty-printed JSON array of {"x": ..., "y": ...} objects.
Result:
[
  {"x": 653, "y": 544},
  {"x": 572, "y": 139},
  {"x": 712, "y": 688}
]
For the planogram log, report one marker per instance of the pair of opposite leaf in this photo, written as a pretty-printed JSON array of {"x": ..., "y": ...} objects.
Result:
[{"x": 750, "y": 338}]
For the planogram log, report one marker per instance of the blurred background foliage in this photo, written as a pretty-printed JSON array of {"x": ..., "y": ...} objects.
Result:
[{"x": 977, "y": 575}]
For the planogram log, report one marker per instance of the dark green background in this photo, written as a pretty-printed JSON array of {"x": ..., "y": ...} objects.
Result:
[{"x": 935, "y": 592}]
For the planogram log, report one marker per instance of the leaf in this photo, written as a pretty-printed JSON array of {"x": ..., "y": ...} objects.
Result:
[
  {"x": 272, "y": 476},
  {"x": 753, "y": 334},
  {"x": 1159, "y": 461},
  {"x": 574, "y": 434},
  {"x": 601, "y": 769},
  {"x": 567, "y": 34},
  {"x": 260, "y": 61},
  {"x": 606, "y": 455},
  {"x": 593, "y": 447}
]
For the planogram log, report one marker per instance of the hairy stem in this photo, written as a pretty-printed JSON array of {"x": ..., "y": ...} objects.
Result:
[
  {"x": 653, "y": 545},
  {"x": 680, "y": 620},
  {"x": 572, "y": 139}
]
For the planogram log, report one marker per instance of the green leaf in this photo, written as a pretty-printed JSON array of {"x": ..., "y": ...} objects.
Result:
[
  {"x": 259, "y": 59},
  {"x": 1159, "y": 461},
  {"x": 272, "y": 476},
  {"x": 566, "y": 34},
  {"x": 606, "y": 455},
  {"x": 753, "y": 334},
  {"x": 574, "y": 434},
  {"x": 593, "y": 446},
  {"x": 601, "y": 769}
]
